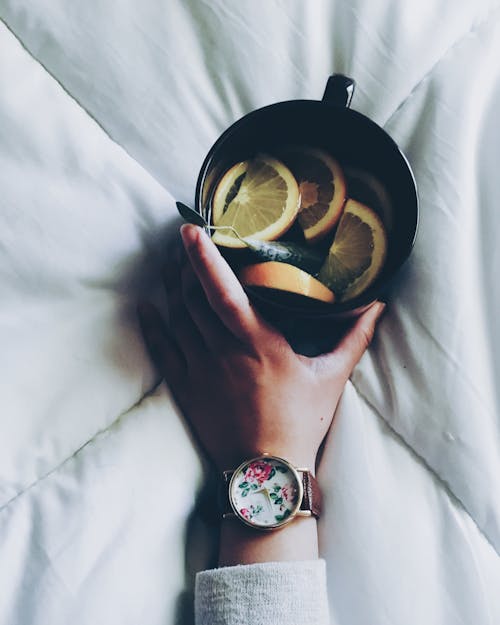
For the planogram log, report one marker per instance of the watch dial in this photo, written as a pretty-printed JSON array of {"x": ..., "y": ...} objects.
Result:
[{"x": 265, "y": 492}]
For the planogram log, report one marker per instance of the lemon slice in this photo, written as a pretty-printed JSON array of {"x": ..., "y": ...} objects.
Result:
[
  {"x": 322, "y": 190},
  {"x": 357, "y": 254},
  {"x": 284, "y": 277},
  {"x": 259, "y": 198},
  {"x": 365, "y": 188}
]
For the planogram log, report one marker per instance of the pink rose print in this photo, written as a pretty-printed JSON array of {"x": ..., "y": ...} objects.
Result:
[
  {"x": 245, "y": 512},
  {"x": 285, "y": 492},
  {"x": 258, "y": 472},
  {"x": 289, "y": 493}
]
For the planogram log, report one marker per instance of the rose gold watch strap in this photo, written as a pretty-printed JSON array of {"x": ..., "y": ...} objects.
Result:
[{"x": 312, "y": 499}]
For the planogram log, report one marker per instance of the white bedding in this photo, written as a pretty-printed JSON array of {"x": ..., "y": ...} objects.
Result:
[{"x": 106, "y": 112}]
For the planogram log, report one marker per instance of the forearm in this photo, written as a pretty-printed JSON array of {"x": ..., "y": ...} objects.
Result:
[
  {"x": 265, "y": 577},
  {"x": 243, "y": 389}
]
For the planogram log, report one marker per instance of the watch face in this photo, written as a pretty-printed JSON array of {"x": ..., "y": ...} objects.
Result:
[{"x": 265, "y": 492}]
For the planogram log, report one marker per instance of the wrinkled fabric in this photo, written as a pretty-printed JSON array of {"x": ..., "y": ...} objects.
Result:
[
  {"x": 255, "y": 593},
  {"x": 106, "y": 113}
]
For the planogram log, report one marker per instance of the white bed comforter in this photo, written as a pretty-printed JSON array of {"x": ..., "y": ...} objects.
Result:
[{"x": 107, "y": 108}]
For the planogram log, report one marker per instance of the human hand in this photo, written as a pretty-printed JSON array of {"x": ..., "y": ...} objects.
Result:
[{"x": 236, "y": 379}]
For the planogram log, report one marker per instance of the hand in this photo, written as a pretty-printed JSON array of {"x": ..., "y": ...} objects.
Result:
[{"x": 237, "y": 380}]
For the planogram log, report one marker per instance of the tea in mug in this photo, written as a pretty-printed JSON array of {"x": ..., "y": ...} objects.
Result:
[{"x": 317, "y": 228}]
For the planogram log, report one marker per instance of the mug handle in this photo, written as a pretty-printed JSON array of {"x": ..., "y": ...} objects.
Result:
[{"x": 339, "y": 91}]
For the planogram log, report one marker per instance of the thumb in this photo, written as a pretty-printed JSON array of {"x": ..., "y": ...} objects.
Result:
[{"x": 346, "y": 354}]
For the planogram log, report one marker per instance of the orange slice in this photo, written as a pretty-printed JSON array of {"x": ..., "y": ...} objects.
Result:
[
  {"x": 322, "y": 190},
  {"x": 284, "y": 277},
  {"x": 357, "y": 254},
  {"x": 259, "y": 198}
]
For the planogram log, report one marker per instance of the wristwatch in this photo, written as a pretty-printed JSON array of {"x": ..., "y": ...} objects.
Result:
[{"x": 268, "y": 492}]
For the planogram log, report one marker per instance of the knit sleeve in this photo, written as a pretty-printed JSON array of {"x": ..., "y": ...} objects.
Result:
[{"x": 272, "y": 593}]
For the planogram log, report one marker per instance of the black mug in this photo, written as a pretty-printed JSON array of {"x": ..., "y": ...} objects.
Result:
[{"x": 357, "y": 143}]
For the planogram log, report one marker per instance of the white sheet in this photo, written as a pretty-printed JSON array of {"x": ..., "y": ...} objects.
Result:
[{"x": 108, "y": 111}]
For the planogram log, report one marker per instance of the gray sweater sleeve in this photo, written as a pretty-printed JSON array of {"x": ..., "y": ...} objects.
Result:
[{"x": 272, "y": 593}]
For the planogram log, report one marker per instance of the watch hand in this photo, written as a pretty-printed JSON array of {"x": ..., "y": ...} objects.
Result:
[
  {"x": 265, "y": 492},
  {"x": 269, "y": 500}
]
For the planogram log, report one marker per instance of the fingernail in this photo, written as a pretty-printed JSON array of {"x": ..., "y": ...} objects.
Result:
[
  {"x": 189, "y": 234},
  {"x": 381, "y": 306}
]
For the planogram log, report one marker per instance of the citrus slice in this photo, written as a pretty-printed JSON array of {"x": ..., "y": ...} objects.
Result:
[
  {"x": 284, "y": 277},
  {"x": 365, "y": 188},
  {"x": 259, "y": 198},
  {"x": 357, "y": 254},
  {"x": 322, "y": 190}
]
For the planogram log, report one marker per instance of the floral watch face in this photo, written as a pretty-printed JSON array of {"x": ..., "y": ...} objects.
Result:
[{"x": 265, "y": 492}]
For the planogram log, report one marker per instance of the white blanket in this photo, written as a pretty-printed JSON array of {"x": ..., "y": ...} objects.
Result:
[{"x": 106, "y": 112}]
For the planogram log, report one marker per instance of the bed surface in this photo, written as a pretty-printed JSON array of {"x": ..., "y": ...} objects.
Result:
[{"x": 106, "y": 113}]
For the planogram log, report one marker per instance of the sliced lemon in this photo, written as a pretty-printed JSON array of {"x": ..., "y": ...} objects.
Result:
[
  {"x": 365, "y": 188},
  {"x": 322, "y": 190},
  {"x": 357, "y": 254},
  {"x": 259, "y": 198},
  {"x": 284, "y": 277}
]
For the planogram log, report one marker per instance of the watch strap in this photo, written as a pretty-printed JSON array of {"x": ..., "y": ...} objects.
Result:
[
  {"x": 312, "y": 499},
  {"x": 224, "y": 502}
]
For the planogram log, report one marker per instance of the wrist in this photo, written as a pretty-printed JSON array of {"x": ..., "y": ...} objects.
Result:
[
  {"x": 243, "y": 545},
  {"x": 296, "y": 458},
  {"x": 267, "y": 493}
]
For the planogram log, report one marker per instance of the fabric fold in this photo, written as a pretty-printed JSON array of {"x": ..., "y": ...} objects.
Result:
[{"x": 271, "y": 593}]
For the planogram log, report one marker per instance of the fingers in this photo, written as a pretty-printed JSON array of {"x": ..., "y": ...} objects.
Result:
[
  {"x": 214, "y": 333},
  {"x": 163, "y": 350},
  {"x": 222, "y": 289},
  {"x": 181, "y": 325},
  {"x": 346, "y": 355}
]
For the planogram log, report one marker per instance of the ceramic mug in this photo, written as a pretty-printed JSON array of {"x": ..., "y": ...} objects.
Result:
[{"x": 359, "y": 144}]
